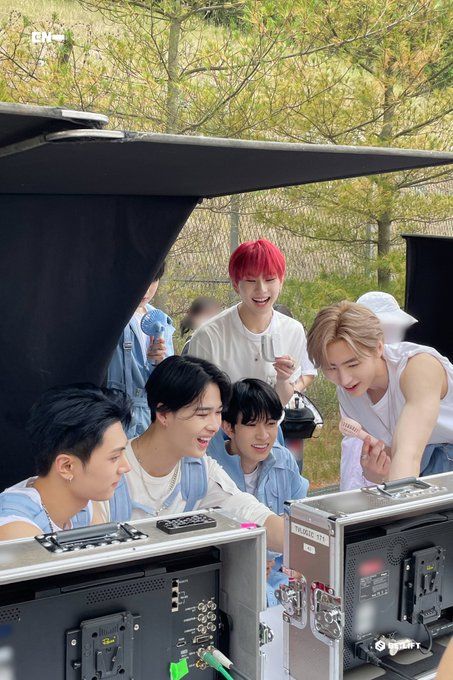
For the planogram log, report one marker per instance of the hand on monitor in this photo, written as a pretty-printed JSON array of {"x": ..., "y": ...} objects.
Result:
[{"x": 375, "y": 461}]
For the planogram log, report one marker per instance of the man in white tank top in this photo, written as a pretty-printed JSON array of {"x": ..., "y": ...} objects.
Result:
[
  {"x": 401, "y": 394},
  {"x": 394, "y": 322}
]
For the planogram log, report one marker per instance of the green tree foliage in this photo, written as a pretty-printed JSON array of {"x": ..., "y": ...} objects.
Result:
[
  {"x": 394, "y": 90},
  {"x": 338, "y": 72}
]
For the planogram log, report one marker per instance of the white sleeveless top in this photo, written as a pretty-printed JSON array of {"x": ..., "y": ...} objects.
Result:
[{"x": 380, "y": 419}]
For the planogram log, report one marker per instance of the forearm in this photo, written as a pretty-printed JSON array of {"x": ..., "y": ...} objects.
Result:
[
  {"x": 303, "y": 382},
  {"x": 411, "y": 435},
  {"x": 274, "y": 532},
  {"x": 285, "y": 390}
]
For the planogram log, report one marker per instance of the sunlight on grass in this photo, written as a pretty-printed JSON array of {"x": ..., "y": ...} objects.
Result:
[
  {"x": 66, "y": 10},
  {"x": 322, "y": 457}
]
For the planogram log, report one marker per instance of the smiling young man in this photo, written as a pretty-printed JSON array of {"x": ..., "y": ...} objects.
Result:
[
  {"x": 170, "y": 471},
  {"x": 253, "y": 458},
  {"x": 79, "y": 444},
  {"x": 232, "y": 339},
  {"x": 394, "y": 323},
  {"x": 402, "y": 394}
]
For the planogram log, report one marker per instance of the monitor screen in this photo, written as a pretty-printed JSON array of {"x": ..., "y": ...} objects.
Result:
[{"x": 398, "y": 583}]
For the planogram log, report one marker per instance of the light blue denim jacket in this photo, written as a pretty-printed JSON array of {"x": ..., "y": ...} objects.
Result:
[
  {"x": 279, "y": 480},
  {"x": 133, "y": 380}
]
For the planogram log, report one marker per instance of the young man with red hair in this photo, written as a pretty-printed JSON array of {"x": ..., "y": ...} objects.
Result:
[{"x": 232, "y": 340}]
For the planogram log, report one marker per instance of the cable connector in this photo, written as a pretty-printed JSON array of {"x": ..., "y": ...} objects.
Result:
[
  {"x": 221, "y": 658},
  {"x": 209, "y": 659},
  {"x": 367, "y": 651}
]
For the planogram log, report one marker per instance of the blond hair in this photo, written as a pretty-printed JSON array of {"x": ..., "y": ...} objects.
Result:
[{"x": 348, "y": 321}]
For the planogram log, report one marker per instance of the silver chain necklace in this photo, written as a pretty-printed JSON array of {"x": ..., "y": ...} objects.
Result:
[
  {"x": 171, "y": 485},
  {"x": 52, "y": 526}
]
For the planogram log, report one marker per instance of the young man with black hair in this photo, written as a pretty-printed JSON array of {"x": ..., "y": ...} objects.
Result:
[
  {"x": 253, "y": 458},
  {"x": 170, "y": 471},
  {"x": 136, "y": 356},
  {"x": 79, "y": 443}
]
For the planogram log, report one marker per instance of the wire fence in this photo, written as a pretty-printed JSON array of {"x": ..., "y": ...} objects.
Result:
[
  {"x": 198, "y": 261},
  {"x": 198, "y": 265}
]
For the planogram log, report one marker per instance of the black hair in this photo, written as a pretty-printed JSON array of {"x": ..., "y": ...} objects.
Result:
[
  {"x": 73, "y": 419},
  {"x": 180, "y": 380},
  {"x": 160, "y": 272},
  {"x": 254, "y": 400}
]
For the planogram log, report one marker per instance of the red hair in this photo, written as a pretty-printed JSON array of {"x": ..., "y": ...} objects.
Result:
[{"x": 256, "y": 258}]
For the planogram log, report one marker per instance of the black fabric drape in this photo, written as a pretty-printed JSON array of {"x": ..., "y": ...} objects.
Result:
[
  {"x": 429, "y": 267},
  {"x": 72, "y": 270}
]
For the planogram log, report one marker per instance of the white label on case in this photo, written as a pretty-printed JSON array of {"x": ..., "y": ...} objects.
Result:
[
  {"x": 310, "y": 548},
  {"x": 311, "y": 534}
]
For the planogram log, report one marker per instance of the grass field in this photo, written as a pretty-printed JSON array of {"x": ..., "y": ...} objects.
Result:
[
  {"x": 66, "y": 10},
  {"x": 322, "y": 456}
]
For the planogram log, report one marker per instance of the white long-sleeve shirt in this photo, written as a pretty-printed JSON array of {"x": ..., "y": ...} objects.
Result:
[{"x": 222, "y": 492}]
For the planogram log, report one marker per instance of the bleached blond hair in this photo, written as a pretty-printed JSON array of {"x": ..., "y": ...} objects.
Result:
[{"x": 348, "y": 321}]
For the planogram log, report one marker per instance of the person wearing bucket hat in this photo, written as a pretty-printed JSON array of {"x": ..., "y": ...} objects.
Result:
[
  {"x": 401, "y": 394},
  {"x": 394, "y": 320},
  {"x": 394, "y": 323}
]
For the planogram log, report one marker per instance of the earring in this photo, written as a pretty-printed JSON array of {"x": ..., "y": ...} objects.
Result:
[{"x": 70, "y": 478}]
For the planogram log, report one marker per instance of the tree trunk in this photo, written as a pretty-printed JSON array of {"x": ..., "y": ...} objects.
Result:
[{"x": 173, "y": 70}]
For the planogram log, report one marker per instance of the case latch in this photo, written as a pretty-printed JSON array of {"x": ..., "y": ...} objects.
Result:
[
  {"x": 293, "y": 597},
  {"x": 328, "y": 618}
]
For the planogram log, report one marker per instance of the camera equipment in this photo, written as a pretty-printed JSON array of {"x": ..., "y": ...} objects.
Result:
[
  {"x": 132, "y": 602},
  {"x": 373, "y": 580},
  {"x": 302, "y": 419}
]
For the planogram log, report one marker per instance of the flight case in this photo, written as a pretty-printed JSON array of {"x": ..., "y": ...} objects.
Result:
[{"x": 373, "y": 578}]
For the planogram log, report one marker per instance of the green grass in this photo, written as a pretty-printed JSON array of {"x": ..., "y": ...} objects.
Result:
[
  {"x": 322, "y": 456},
  {"x": 66, "y": 10}
]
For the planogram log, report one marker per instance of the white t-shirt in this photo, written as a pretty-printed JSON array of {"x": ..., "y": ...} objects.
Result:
[
  {"x": 222, "y": 491},
  {"x": 225, "y": 342},
  {"x": 251, "y": 480},
  {"x": 27, "y": 490},
  {"x": 380, "y": 419}
]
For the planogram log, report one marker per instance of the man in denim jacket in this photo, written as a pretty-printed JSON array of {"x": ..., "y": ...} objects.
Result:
[{"x": 256, "y": 462}]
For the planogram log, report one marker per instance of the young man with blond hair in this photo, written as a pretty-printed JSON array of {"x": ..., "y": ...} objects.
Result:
[{"x": 401, "y": 394}]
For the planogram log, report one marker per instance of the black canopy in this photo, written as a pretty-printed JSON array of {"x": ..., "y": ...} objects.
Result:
[
  {"x": 116, "y": 163},
  {"x": 87, "y": 216}
]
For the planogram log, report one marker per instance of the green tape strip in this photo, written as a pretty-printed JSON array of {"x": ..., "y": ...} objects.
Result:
[{"x": 179, "y": 670}]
